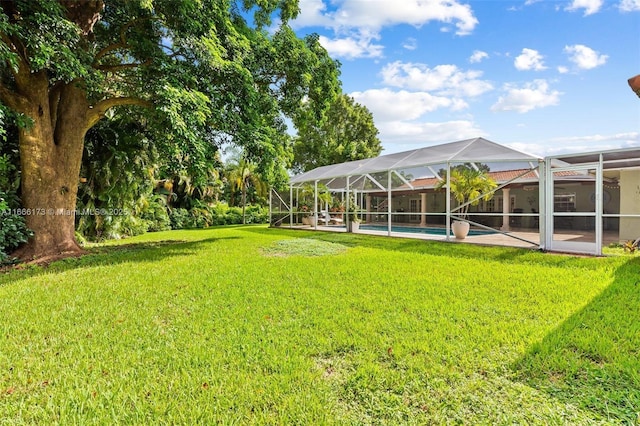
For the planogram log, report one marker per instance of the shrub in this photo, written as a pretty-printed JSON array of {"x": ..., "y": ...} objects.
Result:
[
  {"x": 155, "y": 213},
  {"x": 200, "y": 217},
  {"x": 126, "y": 226},
  {"x": 13, "y": 230},
  {"x": 80, "y": 239},
  {"x": 222, "y": 214},
  {"x": 219, "y": 213},
  {"x": 234, "y": 216},
  {"x": 179, "y": 218},
  {"x": 257, "y": 214}
]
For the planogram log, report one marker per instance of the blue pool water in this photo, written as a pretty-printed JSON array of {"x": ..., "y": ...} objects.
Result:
[{"x": 417, "y": 230}]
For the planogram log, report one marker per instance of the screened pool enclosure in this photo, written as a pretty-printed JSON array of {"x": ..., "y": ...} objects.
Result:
[{"x": 566, "y": 203}]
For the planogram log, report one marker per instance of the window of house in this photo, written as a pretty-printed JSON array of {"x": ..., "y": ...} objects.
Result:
[{"x": 564, "y": 202}]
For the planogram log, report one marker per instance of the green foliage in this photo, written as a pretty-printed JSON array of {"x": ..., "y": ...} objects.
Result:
[
  {"x": 9, "y": 157},
  {"x": 200, "y": 217},
  {"x": 242, "y": 177},
  {"x": 13, "y": 231},
  {"x": 244, "y": 180},
  {"x": 631, "y": 245},
  {"x": 51, "y": 42},
  {"x": 116, "y": 189},
  {"x": 307, "y": 197},
  {"x": 6, "y": 169},
  {"x": 242, "y": 325},
  {"x": 346, "y": 133},
  {"x": 207, "y": 73},
  {"x": 469, "y": 186},
  {"x": 179, "y": 218},
  {"x": 80, "y": 239},
  {"x": 204, "y": 216},
  {"x": 156, "y": 215}
]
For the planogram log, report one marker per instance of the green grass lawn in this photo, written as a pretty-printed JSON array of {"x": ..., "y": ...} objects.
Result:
[{"x": 250, "y": 325}]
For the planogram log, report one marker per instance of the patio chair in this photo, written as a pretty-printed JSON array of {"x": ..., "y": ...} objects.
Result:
[{"x": 335, "y": 220}]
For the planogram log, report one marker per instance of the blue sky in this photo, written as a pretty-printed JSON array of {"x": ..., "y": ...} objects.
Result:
[{"x": 545, "y": 77}]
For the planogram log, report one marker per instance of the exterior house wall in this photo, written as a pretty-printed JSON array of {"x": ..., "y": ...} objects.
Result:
[
  {"x": 611, "y": 205},
  {"x": 629, "y": 204},
  {"x": 612, "y": 201}
]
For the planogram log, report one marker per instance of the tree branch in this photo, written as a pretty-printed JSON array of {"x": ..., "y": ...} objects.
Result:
[
  {"x": 97, "y": 111},
  {"x": 14, "y": 100},
  {"x": 18, "y": 48},
  {"x": 108, "y": 49},
  {"x": 122, "y": 44},
  {"x": 121, "y": 67},
  {"x": 9, "y": 42},
  {"x": 115, "y": 46}
]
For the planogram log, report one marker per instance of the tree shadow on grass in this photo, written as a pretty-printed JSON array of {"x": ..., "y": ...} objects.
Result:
[
  {"x": 592, "y": 360},
  {"x": 435, "y": 248},
  {"x": 155, "y": 251}
]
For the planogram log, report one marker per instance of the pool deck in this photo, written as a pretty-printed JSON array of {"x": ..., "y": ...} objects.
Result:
[{"x": 517, "y": 237}]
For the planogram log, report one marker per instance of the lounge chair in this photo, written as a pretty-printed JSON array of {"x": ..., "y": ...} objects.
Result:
[{"x": 334, "y": 220}]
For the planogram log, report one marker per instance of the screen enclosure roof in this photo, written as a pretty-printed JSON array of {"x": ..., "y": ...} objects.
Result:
[
  {"x": 469, "y": 150},
  {"x": 613, "y": 159}
]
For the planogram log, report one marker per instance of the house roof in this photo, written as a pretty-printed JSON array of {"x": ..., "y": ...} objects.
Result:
[
  {"x": 469, "y": 150},
  {"x": 520, "y": 176}
]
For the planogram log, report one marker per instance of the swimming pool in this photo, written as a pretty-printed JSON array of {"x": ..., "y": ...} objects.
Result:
[{"x": 420, "y": 230}]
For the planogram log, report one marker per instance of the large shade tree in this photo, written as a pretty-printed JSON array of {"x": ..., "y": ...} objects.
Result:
[
  {"x": 206, "y": 70},
  {"x": 346, "y": 133}
]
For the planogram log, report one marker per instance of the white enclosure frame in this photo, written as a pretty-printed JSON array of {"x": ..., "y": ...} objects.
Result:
[
  {"x": 343, "y": 177},
  {"x": 612, "y": 162}
]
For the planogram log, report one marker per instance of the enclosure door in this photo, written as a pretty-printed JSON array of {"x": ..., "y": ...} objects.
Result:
[{"x": 575, "y": 204}]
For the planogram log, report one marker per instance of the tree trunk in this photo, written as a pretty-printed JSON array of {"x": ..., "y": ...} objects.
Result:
[
  {"x": 50, "y": 156},
  {"x": 244, "y": 202}
]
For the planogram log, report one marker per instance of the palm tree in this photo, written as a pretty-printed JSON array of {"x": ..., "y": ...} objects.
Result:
[
  {"x": 185, "y": 190},
  {"x": 241, "y": 174},
  {"x": 469, "y": 184}
]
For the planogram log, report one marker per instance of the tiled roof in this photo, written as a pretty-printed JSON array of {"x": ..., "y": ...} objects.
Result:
[{"x": 500, "y": 177}]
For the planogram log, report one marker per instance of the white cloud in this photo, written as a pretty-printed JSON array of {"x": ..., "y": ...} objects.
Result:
[
  {"x": 533, "y": 95},
  {"x": 410, "y": 44},
  {"x": 359, "y": 17},
  {"x": 313, "y": 13},
  {"x": 585, "y": 57},
  {"x": 442, "y": 79},
  {"x": 399, "y": 117},
  {"x": 587, "y": 143},
  {"x": 563, "y": 70},
  {"x": 358, "y": 46},
  {"x": 590, "y": 6},
  {"x": 389, "y": 105},
  {"x": 400, "y": 133},
  {"x": 361, "y": 14},
  {"x": 478, "y": 56},
  {"x": 529, "y": 59},
  {"x": 572, "y": 144},
  {"x": 629, "y": 6}
]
